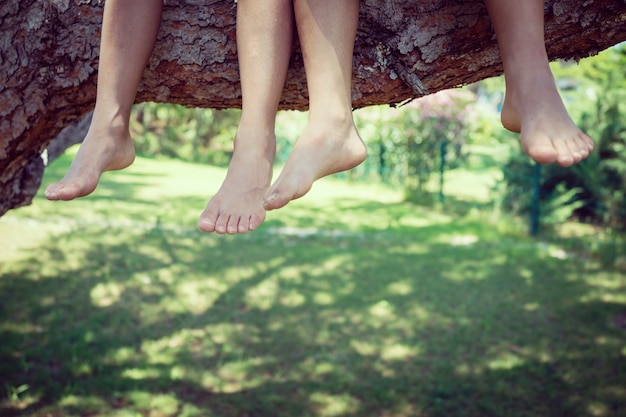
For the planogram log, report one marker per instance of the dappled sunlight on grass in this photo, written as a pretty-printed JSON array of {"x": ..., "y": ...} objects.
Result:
[
  {"x": 348, "y": 303},
  {"x": 471, "y": 185}
]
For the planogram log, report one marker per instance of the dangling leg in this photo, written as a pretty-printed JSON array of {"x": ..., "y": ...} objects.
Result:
[
  {"x": 129, "y": 31},
  {"x": 264, "y": 40},
  {"x": 330, "y": 142},
  {"x": 532, "y": 105}
]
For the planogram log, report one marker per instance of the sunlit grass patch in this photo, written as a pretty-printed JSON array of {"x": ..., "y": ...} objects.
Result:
[{"x": 348, "y": 302}]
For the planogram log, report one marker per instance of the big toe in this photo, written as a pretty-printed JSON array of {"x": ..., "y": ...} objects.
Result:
[
  {"x": 208, "y": 219},
  {"x": 542, "y": 154},
  {"x": 274, "y": 201},
  {"x": 52, "y": 192},
  {"x": 64, "y": 191}
]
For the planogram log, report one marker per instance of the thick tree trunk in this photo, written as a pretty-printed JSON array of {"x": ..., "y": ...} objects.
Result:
[{"x": 405, "y": 48}]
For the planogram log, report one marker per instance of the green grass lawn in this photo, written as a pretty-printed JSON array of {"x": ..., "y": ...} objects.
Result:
[{"x": 348, "y": 302}]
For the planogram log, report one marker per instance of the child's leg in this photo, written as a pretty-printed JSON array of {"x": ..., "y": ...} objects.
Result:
[
  {"x": 129, "y": 30},
  {"x": 330, "y": 142},
  {"x": 264, "y": 41},
  {"x": 532, "y": 105}
]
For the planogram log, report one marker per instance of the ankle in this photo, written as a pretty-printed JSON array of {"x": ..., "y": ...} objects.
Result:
[
  {"x": 532, "y": 80},
  {"x": 340, "y": 120},
  {"x": 115, "y": 127},
  {"x": 255, "y": 123},
  {"x": 256, "y": 144}
]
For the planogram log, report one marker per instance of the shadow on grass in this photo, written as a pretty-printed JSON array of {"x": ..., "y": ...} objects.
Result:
[{"x": 398, "y": 320}]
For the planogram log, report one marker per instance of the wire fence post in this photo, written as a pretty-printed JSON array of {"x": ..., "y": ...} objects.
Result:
[
  {"x": 535, "y": 204},
  {"x": 443, "y": 148}
]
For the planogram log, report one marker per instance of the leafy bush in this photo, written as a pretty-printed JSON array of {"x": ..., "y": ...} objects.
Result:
[
  {"x": 408, "y": 144},
  {"x": 192, "y": 134}
]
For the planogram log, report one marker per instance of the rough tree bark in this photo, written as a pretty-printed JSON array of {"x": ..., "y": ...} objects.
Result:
[{"x": 405, "y": 49}]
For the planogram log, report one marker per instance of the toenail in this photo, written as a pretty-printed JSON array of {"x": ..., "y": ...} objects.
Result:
[{"x": 206, "y": 221}]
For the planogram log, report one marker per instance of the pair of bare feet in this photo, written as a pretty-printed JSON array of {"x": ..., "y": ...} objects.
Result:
[
  {"x": 241, "y": 203},
  {"x": 246, "y": 194}
]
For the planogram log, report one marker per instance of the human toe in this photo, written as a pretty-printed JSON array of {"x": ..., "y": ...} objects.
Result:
[
  {"x": 256, "y": 220},
  {"x": 232, "y": 227},
  {"x": 542, "y": 154},
  {"x": 52, "y": 192},
  {"x": 573, "y": 152},
  {"x": 221, "y": 224},
  {"x": 243, "y": 225},
  {"x": 274, "y": 201},
  {"x": 206, "y": 225},
  {"x": 66, "y": 191},
  {"x": 566, "y": 155},
  {"x": 585, "y": 143},
  {"x": 208, "y": 219}
]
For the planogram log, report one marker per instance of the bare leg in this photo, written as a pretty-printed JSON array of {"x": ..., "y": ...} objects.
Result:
[
  {"x": 330, "y": 142},
  {"x": 532, "y": 105},
  {"x": 129, "y": 31},
  {"x": 264, "y": 40}
]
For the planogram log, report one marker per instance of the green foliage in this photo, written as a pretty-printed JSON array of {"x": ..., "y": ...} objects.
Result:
[
  {"x": 604, "y": 174},
  {"x": 191, "y": 134},
  {"x": 408, "y": 144},
  {"x": 558, "y": 202},
  {"x": 561, "y": 205}
]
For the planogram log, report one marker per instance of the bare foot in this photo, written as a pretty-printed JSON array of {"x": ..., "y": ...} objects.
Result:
[
  {"x": 104, "y": 149},
  {"x": 323, "y": 149},
  {"x": 238, "y": 205},
  {"x": 534, "y": 108}
]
